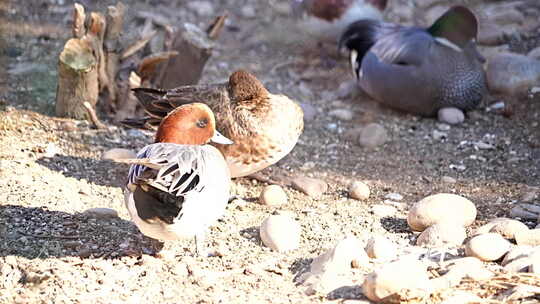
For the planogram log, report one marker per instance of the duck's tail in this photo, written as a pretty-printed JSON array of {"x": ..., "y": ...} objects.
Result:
[
  {"x": 147, "y": 96},
  {"x": 358, "y": 38}
]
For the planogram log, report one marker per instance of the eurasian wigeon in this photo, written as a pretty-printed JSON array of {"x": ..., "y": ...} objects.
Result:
[
  {"x": 419, "y": 70},
  {"x": 264, "y": 126},
  {"x": 179, "y": 186},
  {"x": 326, "y": 20}
]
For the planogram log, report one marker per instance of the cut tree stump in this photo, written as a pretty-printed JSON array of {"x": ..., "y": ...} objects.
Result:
[
  {"x": 77, "y": 79},
  {"x": 194, "y": 48}
]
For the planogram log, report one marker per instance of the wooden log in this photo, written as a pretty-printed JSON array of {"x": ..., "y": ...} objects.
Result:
[
  {"x": 95, "y": 35},
  {"x": 77, "y": 79},
  {"x": 113, "y": 48},
  {"x": 79, "y": 17},
  {"x": 194, "y": 48}
]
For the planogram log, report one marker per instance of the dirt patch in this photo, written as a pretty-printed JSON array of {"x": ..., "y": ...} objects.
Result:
[{"x": 51, "y": 171}]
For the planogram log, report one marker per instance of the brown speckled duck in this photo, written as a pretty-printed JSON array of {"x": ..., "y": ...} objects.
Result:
[
  {"x": 419, "y": 70},
  {"x": 263, "y": 126}
]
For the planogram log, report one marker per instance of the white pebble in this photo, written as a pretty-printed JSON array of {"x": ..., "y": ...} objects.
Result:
[
  {"x": 342, "y": 114},
  {"x": 359, "y": 190},
  {"x": 442, "y": 207},
  {"x": 118, "y": 153},
  {"x": 280, "y": 233},
  {"x": 273, "y": 195},
  {"x": 451, "y": 116},
  {"x": 372, "y": 135},
  {"x": 442, "y": 234},
  {"x": 379, "y": 247},
  {"x": 487, "y": 247}
]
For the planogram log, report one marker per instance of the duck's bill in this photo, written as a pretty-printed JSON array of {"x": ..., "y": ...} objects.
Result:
[{"x": 218, "y": 138}]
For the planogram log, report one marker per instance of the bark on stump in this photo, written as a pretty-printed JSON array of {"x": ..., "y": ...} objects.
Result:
[{"x": 77, "y": 79}]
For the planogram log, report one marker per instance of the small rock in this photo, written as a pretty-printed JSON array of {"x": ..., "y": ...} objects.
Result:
[
  {"x": 487, "y": 247},
  {"x": 519, "y": 265},
  {"x": 508, "y": 228},
  {"x": 202, "y": 8},
  {"x": 118, "y": 153},
  {"x": 311, "y": 186},
  {"x": 469, "y": 267},
  {"x": 383, "y": 210},
  {"x": 393, "y": 277},
  {"x": 342, "y": 114},
  {"x": 442, "y": 207},
  {"x": 394, "y": 196},
  {"x": 359, "y": 190},
  {"x": 517, "y": 252},
  {"x": 101, "y": 213},
  {"x": 348, "y": 89},
  {"x": 379, "y": 247},
  {"x": 372, "y": 135},
  {"x": 273, "y": 195},
  {"x": 448, "y": 180},
  {"x": 280, "y": 233},
  {"x": 68, "y": 126},
  {"x": 512, "y": 74},
  {"x": 329, "y": 271},
  {"x": 438, "y": 135},
  {"x": 51, "y": 150},
  {"x": 248, "y": 11},
  {"x": 535, "y": 53},
  {"x": 451, "y": 115},
  {"x": 442, "y": 234},
  {"x": 529, "y": 237},
  {"x": 309, "y": 111},
  {"x": 135, "y": 133},
  {"x": 529, "y": 195},
  {"x": 525, "y": 211},
  {"x": 535, "y": 262}
]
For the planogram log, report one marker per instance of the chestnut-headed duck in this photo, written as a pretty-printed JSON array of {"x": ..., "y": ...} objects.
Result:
[
  {"x": 419, "y": 70},
  {"x": 326, "y": 20},
  {"x": 179, "y": 186},
  {"x": 263, "y": 126}
]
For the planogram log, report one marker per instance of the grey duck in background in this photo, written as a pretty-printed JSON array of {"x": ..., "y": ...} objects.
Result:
[{"x": 419, "y": 70}]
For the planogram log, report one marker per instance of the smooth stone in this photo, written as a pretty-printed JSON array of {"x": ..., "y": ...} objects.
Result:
[
  {"x": 394, "y": 196},
  {"x": 448, "y": 180},
  {"x": 519, "y": 265},
  {"x": 381, "y": 248},
  {"x": 383, "y": 210},
  {"x": 348, "y": 89},
  {"x": 372, "y": 135},
  {"x": 442, "y": 207},
  {"x": 202, "y": 8},
  {"x": 442, "y": 234},
  {"x": 534, "y": 53},
  {"x": 118, "y": 153},
  {"x": 508, "y": 228},
  {"x": 359, "y": 190},
  {"x": 487, "y": 247},
  {"x": 329, "y": 271},
  {"x": 529, "y": 195},
  {"x": 530, "y": 237},
  {"x": 470, "y": 267},
  {"x": 309, "y": 111},
  {"x": 342, "y": 114},
  {"x": 438, "y": 135},
  {"x": 101, "y": 213},
  {"x": 280, "y": 233},
  {"x": 512, "y": 74},
  {"x": 248, "y": 11},
  {"x": 451, "y": 115},
  {"x": 391, "y": 278},
  {"x": 525, "y": 211},
  {"x": 535, "y": 262},
  {"x": 517, "y": 252},
  {"x": 311, "y": 186},
  {"x": 273, "y": 195}
]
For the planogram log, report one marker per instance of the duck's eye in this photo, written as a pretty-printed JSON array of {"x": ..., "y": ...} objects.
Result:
[{"x": 202, "y": 123}]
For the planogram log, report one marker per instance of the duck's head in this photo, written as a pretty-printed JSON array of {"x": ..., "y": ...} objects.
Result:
[
  {"x": 243, "y": 86},
  {"x": 190, "y": 124}
]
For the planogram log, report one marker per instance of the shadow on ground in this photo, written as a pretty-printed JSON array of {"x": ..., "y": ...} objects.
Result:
[{"x": 38, "y": 233}]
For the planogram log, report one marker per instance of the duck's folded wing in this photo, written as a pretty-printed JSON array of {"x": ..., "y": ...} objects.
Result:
[
  {"x": 172, "y": 168},
  {"x": 406, "y": 47}
]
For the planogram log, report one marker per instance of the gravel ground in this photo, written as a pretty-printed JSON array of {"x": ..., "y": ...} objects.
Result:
[{"x": 51, "y": 171}]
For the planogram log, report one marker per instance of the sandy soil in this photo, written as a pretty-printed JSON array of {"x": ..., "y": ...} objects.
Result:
[{"x": 51, "y": 172}]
